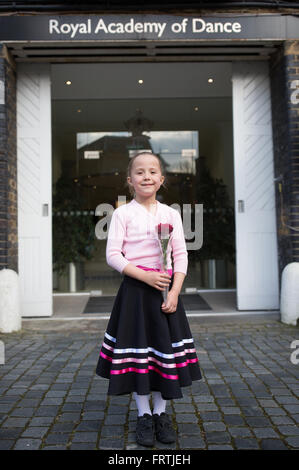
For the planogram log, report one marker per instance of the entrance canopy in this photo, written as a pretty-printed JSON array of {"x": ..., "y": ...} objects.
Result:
[{"x": 145, "y": 37}]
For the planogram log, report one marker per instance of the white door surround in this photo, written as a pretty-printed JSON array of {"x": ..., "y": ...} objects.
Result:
[
  {"x": 256, "y": 233},
  {"x": 34, "y": 189}
]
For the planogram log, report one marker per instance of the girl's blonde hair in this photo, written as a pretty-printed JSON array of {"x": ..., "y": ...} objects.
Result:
[{"x": 130, "y": 166}]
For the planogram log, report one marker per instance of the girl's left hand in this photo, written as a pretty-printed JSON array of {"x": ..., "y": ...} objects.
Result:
[{"x": 171, "y": 302}]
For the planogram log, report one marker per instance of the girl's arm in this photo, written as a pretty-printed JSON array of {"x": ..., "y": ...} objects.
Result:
[
  {"x": 155, "y": 279},
  {"x": 116, "y": 234},
  {"x": 178, "y": 280},
  {"x": 137, "y": 273}
]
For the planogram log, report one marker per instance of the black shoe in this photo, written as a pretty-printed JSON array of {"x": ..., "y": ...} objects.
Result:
[
  {"x": 145, "y": 432},
  {"x": 163, "y": 427}
]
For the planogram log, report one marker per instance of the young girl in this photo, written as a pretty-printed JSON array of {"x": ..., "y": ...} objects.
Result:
[{"x": 148, "y": 345}]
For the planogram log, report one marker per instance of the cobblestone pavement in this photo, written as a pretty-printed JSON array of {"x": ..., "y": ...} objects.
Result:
[{"x": 50, "y": 397}]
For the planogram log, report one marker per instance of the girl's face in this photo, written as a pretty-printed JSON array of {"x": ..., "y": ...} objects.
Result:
[{"x": 146, "y": 177}]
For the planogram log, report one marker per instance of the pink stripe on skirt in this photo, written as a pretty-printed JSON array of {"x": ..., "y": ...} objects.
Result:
[{"x": 144, "y": 371}]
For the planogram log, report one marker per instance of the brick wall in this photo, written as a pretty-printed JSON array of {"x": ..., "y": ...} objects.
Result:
[
  {"x": 284, "y": 71},
  {"x": 8, "y": 164}
]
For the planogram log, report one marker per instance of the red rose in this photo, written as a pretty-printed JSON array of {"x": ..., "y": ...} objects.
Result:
[{"x": 164, "y": 230}]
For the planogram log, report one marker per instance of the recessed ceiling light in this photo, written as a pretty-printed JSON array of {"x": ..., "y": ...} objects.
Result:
[
  {"x": 140, "y": 81},
  {"x": 210, "y": 80},
  {"x": 68, "y": 82}
]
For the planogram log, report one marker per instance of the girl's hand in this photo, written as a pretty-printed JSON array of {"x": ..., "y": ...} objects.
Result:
[
  {"x": 171, "y": 302},
  {"x": 157, "y": 279}
]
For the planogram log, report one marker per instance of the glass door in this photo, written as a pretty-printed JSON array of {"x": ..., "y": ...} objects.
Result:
[{"x": 92, "y": 145}]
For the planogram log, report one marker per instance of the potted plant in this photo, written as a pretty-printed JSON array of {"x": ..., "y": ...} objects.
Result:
[
  {"x": 218, "y": 228},
  {"x": 73, "y": 232}
]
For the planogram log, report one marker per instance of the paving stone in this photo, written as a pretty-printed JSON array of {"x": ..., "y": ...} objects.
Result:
[
  {"x": 91, "y": 425},
  {"x": 15, "y": 422},
  {"x": 225, "y": 402},
  {"x": 218, "y": 438},
  {"x": 112, "y": 431},
  {"x": 249, "y": 444},
  {"x": 120, "y": 400},
  {"x": 252, "y": 411},
  {"x": 6, "y": 444},
  {"x": 289, "y": 430},
  {"x": 214, "y": 426},
  {"x": 74, "y": 417},
  {"x": 220, "y": 447},
  {"x": 6, "y": 408},
  {"x": 83, "y": 446},
  {"x": 185, "y": 399},
  {"x": 23, "y": 412},
  {"x": 191, "y": 443},
  {"x": 204, "y": 399},
  {"x": 112, "y": 444},
  {"x": 295, "y": 417},
  {"x": 206, "y": 407},
  {"x": 56, "y": 393},
  {"x": 10, "y": 433},
  {"x": 117, "y": 410},
  {"x": 46, "y": 411},
  {"x": 264, "y": 432},
  {"x": 230, "y": 410},
  {"x": 51, "y": 401},
  {"x": 186, "y": 418},
  {"x": 57, "y": 438},
  {"x": 239, "y": 431},
  {"x": 275, "y": 412},
  {"x": 63, "y": 427},
  {"x": 71, "y": 407},
  {"x": 291, "y": 408},
  {"x": 85, "y": 437},
  {"x": 282, "y": 420},
  {"x": 27, "y": 444},
  {"x": 258, "y": 421},
  {"x": 93, "y": 415},
  {"x": 268, "y": 403},
  {"x": 185, "y": 408},
  {"x": 287, "y": 400},
  {"x": 54, "y": 447},
  {"x": 35, "y": 432},
  {"x": 293, "y": 441},
  {"x": 273, "y": 444},
  {"x": 115, "y": 419},
  {"x": 210, "y": 415},
  {"x": 234, "y": 420},
  {"x": 188, "y": 428}
]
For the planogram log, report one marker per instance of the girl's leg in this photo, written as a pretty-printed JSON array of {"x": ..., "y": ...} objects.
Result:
[
  {"x": 142, "y": 402},
  {"x": 159, "y": 403}
]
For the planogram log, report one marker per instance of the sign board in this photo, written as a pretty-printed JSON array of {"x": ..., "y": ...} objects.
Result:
[
  {"x": 91, "y": 154},
  {"x": 147, "y": 27}
]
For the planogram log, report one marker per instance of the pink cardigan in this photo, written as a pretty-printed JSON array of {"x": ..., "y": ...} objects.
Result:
[{"x": 132, "y": 231}]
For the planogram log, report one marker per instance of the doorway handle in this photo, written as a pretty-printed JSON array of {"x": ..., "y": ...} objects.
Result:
[
  {"x": 241, "y": 206},
  {"x": 45, "y": 210}
]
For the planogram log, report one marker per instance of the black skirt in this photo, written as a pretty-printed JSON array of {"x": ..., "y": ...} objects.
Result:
[{"x": 145, "y": 349}]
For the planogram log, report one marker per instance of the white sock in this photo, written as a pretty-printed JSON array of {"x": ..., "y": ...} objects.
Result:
[
  {"x": 142, "y": 402},
  {"x": 159, "y": 403}
]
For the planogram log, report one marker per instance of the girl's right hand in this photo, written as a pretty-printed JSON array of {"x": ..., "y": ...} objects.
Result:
[{"x": 157, "y": 279}]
